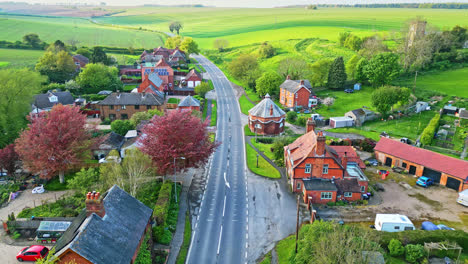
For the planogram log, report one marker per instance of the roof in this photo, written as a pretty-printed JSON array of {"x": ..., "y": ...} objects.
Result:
[
  {"x": 154, "y": 78},
  {"x": 189, "y": 101},
  {"x": 350, "y": 154},
  {"x": 429, "y": 159},
  {"x": 301, "y": 147},
  {"x": 319, "y": 185},
  {"x": 463, "y": 113},
  {"x": 358, "y": 112},
  {"x": 450, "y": 107},
  {"x": 192, "y": 73},
  {"x": 341, "y": 118},
  {"x": 162, "y": 63},
  {"x": 353, "y": 170},
  {"x": 178, "y": 53},
  {"x": 110, "y": 141},
  {"x": 393, "y": 218},
  {"x": 295, "y": 85},
  {"x": 115, "y": 237},
  {"x": 132, "y": 99},
  {"x": 42, "y": 101},
  {"x": 54, "y": 226},
  {"x": 81, "y": 58},
  {"x": 131, "y": 134},
  {"x": 347, "y": 185},
  {"x": 265, "y": 107},
  {"x": 104, "y": 92}
]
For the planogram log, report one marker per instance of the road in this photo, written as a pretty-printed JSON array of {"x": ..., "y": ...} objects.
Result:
[{"x": 221, "y": 228}]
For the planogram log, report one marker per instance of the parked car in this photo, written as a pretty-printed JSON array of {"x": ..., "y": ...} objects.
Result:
[
  {"x": 463, "y": 198},
  {"x": 444, "y": 227},
  {"x": 373, "y": 162},
  {"x": 406, "y": 140},
  {"x": 349, "y": 90},
  {"x": 32, "y": 253},
  {"x": 424, "y": 181}
]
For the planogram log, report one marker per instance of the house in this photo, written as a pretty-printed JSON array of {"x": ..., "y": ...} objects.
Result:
[
  {"x": 421, "y": 106},
  {"x": 445, "y": 170},
  {"x": 266, "y": 118},
  {"x": 361, "y": 115},
  {"x": 189, "y": 103},
  {"x": 131, "y": 142},
  {"x": 449, "y": 110},
  {"x": 357, "y": 86},
  {"x": 80, "y": 61},
  {"x": 309, "y": 158},
  {"x": 107, "y": 143},
  {"x": 152, "y": 84},
  {"x": 175, "y": 57},
  {"x": 164, "y": 81},
  {"x": 350, "y": 153},
  {"x": 110, "y": 230},
  {"x": 295, "y": 93},
  {"x": 193, "y": 79},
  {"x": 124, "y": 105},
  {"x": 341, "y": 121},
  {"x": 45, "y": 102}
]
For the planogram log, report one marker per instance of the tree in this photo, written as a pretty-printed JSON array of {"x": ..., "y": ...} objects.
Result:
[
  {"x": 395, "y": 248},
  {"x": 9, "y": 160},
  {"x": 245, "y": 68},
  {"x": 353, "y": 42},
  {"x": 99, "y": 56},
  {"x": 220, "y": 44},
  {"x": 17, "y": 89},
  {"x": 291, "y": 116},
  {"x": 32, "y": 39},
  {"x": 295, "y": 68},
  {"x": 351, "y": 66},
  {"x": 337, "y": 74},
  {"x": 319, "y": 72},
  {"x": 137, "y": 117},
  {"x": 98, "y": 77},
  {"x": 372, "y": 46},
  {"x": 189, "y": 46},
  {"x": 385, "y": 97},
  {"x": 382, "y": 69},
  {"x": 266, "y": 50},
  {"x": 413, "y": 253},
  {"x": 84, "y": 180},
  {"x": 360, "y": 75},
  {"x": 72, "y": 85},
  {"x": 173, "y": 42},
  {"x": 202, "y": 89},
  {"x": 342, "y": 37},
  {"x": 54, "y": 141},
  {"x": 176, "y": 135},
  {"x": 459, "y": 35},
  {"x": 329, "y": 101},
  {"x": 84, "y": 51},
  {"x": 268, "y": 83},
  {"x": 57, "y": 46},
  {"x": 59, "y": 67},
  {"x": 121, "y": 127},
  {"x": 175, "y": 26}
]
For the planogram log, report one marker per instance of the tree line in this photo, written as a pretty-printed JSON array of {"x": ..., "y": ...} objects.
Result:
[{"x": 403, "y": 5}]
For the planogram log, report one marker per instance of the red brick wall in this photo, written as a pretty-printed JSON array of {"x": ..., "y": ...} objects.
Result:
[
  {"x": 191, "y": 108},
  {"x": 302, "y": 97},
  {"x": 354, "y": 197},
  {"x": 69, "y": 256},
  {"x": 271, "y": 128},
  {"x": 316, "y": 197}
]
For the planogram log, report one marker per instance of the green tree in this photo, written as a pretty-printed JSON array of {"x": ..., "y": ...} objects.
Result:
[
  {"x": 32, "y": 39},
  {"x": 268, "y": 83},
  {"x": 266, "y": 50},
  {"x": 337, "y": 74},
  {"x": 459, "y": 35},
  {"x": 57, "y": 46},
  {"x": 202, "y": 89},
  {"x": 382, "y": 69},
  {"x": 351, "y": 66},
  {"x": 84, "y": 180},
  {"x": 385, "y": 97},
  {"x": 173, "y": 42},
  {"x": 414, "y": 253},
  {"x": 353, "y": 42},
  {"x": 189, "y": 46},
  {"x": 395, "y": 248},
  {"x": 291, "y": 116},
  {"x": 360, "y": 74},
  {"x": 155, "y": 112},
  {"x": 99, "y": 56},
  {"x": 175, "y": 26},
  {"x": 98, "y": 77},
  {"x": 59, "y": 67},
  {"x": 245, "y": 68},
  {"x": 17, "y": 89},
  {"x": 84, "y": 51},
  {"x": 138, "y": 117},
  {"x": 220, "y": 44},
  {"x": 121, "y": 127},
  {"x": 319, "y": 72},
  {"x": 296, "y": 68},
  {"x": 342, "y": 37},
  {"x": 72, "y": 85}
]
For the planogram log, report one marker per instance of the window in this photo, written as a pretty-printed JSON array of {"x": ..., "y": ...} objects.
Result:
[
  {"x": 137, "y": 107},
  {"x": 111, "y": 116},
  {"x": 282, "y": 98},
  {"x": 148, "y": 107},
  {"x": 363, "y": 188},
  {"x": 326, "y": 195},
  {"x": 258, "y": 126},
  {"x": 124, "y": 116},
  {"x": 396, "y": 227},
  {"x": 53, "y": 99},
  {"x": 408, "y": 228},
  {"x": 404, "y": 165},
  {"x": 281, "y": 124},
  {"x": 298, "y": 185},
  {"x": 325, "y": 169},
  {"x": 124, "y": 107},
  {"x": 348, "y": 194},
  {"x": 111, "y": 107},
  {"x": 307, "y": 168}
]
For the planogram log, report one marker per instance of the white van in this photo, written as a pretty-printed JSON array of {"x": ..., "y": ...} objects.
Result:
[
  {"x": 463, "y": 198},
  {"x": 393, "y": 223}
]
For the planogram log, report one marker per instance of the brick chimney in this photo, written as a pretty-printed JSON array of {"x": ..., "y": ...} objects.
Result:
[
  {"x": 344, "y": 160},
  {"x": 302, "y": 82},
  {"x": 94, "y": 204},
  {"x": 310, "y": 125},
  {"x": 271, "y": 110},
  {"x": 320, "y": 150},
  {"x": 288, "y": 77}
]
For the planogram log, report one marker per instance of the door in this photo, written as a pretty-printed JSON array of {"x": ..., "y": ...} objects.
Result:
[
  {"x": 190, "y": 84},
  {"x": 412, "y": 170},
  {"x": 388, "y": 162},
  {"x": 434, "y": 175},
  {"x": 453, "y": 183}
]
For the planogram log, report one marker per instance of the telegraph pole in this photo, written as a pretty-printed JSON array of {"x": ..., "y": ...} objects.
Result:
[{"x": 297, "y": 222}]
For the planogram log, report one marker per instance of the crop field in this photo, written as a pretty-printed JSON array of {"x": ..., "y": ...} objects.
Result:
[{"x": 19, "y": 58}]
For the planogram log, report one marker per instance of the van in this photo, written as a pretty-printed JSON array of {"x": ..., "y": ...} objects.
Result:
[
  {"x": 463, "y": 198},
  {"x": 393, "y": 223}
]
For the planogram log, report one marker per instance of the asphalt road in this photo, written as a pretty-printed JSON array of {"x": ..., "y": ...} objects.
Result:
[{"x": 221, "y": 228}]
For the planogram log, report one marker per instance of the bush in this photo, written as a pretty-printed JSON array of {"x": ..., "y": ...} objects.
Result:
[
  {"x": 301, "y": 121},
  {"x": 395, "y": 248},
  {"x": 144, "y": 254},
  {"x": 413, "y": 253},
  {"x": 121, "y": 127},
  {"x": 428, "y": 133},
  {"x": 291, "y": 116},
  {"x": 16, "y": 235},
  {"x": 162, "y": 205},
  {"x": 265, "y": 140}
]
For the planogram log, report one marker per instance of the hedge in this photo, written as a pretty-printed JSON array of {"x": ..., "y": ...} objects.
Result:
[
  {"x": 428, "y": 133},
  {"x": 265, "y": 140},
  {"x": 162, "y": 205}
]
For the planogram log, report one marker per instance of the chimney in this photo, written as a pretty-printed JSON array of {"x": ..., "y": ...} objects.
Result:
[
  {"x": 344, "y": 160},
  {"x": 271, "y": 110},
  {"x": 94, "y": 204},
  {"x": 118, "y": 94},
  {"x": 302, "y": 82},
  {"x": 143, "y": 95},
  {"x": 288, "y": 77},
  {"x": 310, "y": 125},
  {"x": 320, "y": 150}
]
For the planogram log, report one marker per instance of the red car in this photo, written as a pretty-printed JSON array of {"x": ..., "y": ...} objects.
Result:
[{"x": 32, "y": 253}]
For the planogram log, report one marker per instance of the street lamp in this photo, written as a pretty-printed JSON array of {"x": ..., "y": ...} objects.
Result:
[
  {"x": 257, "y": 160},
  {"x": 175, "y": 188}
]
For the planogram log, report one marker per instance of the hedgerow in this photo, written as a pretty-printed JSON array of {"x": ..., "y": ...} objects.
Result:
[{"x": 428, "y": 133}]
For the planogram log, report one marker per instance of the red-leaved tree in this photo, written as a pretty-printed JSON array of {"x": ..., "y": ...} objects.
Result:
[
  {"x": 173, "y": 136},
  {"x": 9, "y": 160},
  {"x": 54, "y": 141}
]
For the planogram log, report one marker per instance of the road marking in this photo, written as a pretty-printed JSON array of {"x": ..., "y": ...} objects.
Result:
[
  {"x": 190, "y": 247},
  {"x": 224, "y": 207},
  {"x": 220, "y": 236},
  {"x": 227, "y": 183}
]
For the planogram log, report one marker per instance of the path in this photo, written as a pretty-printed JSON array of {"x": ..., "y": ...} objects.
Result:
[{"x": 208, "y": 109}]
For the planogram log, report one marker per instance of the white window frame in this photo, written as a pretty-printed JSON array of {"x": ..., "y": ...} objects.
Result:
[
  {"x": 281, "y": 124},
  {"x": 325, "y": 169},
  {"x": 124, "y": 107},
  {"x": 363, "y": 188},
  {"x": 298, "y": 185},
  {"x": 348, "y": 194},
  {"x": 326, "y": 195},
  {"x": 308, "y": 168},
  {"x": 258, "y": 126}
]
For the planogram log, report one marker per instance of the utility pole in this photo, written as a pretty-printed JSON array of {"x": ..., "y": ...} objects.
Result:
[
  {"x": 297, "y": 222},
  {"x": 414, "y": 85}
]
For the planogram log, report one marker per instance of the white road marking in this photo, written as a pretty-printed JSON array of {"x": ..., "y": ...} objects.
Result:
[
  {"x": 220, "y": 235},
  {"x": 224, "y": 207},
  {"x": 227, "y": 183}
]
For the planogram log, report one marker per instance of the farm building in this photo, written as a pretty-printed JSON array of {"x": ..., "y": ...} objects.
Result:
[
  {"x": 341, "y": 121},
  {"x": 447, "y": 171},
  {"x": 266, "y": 118},
  {"x": 421, "y": 106},
  {"x": 463, "y": 113},
  {"x": 361, "y": 115}
]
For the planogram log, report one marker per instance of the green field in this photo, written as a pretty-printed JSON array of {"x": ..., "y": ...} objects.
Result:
[
  {"x": 18, "y": 58},
  {"x": 345, "y": 102}
]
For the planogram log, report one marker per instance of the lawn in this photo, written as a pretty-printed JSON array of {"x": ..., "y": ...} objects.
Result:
[
  {"x": 214, "y": 113},
  {"x": 245, "y": 105},
  {"x": 4, "y": 63},
  {"x": 345, "y": 102},
  {"x": 185, "y": 245},
  {"x": 264, "y": 168},
  {"x": 130, "y": 87},
  {"x": 284, "y": 248},
  {"x": 265, "y": 148},
  {"x": 19, "y": 58},
  {"x": 173, "y": 100},
  {"x": 354, "y": 130}
]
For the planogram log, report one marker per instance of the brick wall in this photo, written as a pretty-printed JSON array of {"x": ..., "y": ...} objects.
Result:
[
  {"x": 129, "y": 110},
  {"x": 271, "y": 128}
]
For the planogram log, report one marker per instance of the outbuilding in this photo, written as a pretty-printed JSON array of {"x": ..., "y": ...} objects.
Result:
[
  {"x": 341, "y": 121},
  {"x": 266, "y": 118}
]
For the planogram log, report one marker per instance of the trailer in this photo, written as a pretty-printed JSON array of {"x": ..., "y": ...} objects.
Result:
[{"x": 393, "y": 223}]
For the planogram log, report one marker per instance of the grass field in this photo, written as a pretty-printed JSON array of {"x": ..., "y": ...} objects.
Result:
[
  {"x": 345, "y": 102},
  {"x": 264, "y": 168},
  {"x": 265, "y": 148},
  {"x": 284, "y": 249},
  {"x": 214, "y": 113},
  {"x": 19, "y": 58}
]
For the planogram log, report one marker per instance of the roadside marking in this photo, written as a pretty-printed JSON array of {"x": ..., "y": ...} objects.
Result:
[
  {"x": 220, "y": 236},
  {"x": 227, "y": 183},
  {"x": 224, "y": 207}
]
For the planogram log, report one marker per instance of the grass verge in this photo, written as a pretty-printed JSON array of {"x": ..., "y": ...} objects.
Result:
[
  {"x": 245, "y": 105},
  {"x": 264, "y": 168},
  {"x": 247, "y": 131},
  {"x": 265, "y": 148},
  {"x": 214, "y": 113},
  {"x": 185, "y": 245},
  {"x": 173, "y": 101},
  {"x": 266, "y": 259},
  {"x": 284, "y": 249}
]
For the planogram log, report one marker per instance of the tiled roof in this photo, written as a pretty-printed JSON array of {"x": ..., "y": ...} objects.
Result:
[
  {"x": 111, "y": 140},
  {"x": 302, "y": 147},
  {"x": 81, "y": 58},
  {"x": 358, "y": 112},
  {"x": 42, "y": 101},
  {"x": 319, "y": 185},
  {"x": 162, "y": 63},
  {"x": 263, "y": 109},
  {"x": 193, "y": 72},
  {"x": 189, "y": 101},
  {"x": 350, "y": 153},
  {"x": 294, "y": 85},
  {"x": 347, "y": 185},
  {"x": 426, "y": 158},
  {"x": 463, "y": 113},
  {"x": 132, "y": 99}
]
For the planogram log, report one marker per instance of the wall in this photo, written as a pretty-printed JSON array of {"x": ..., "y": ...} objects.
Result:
[
  {"x": 316, "y": 197},
  {"x": 302, "y": 97},
  {"x": 129, "y": 110},
  {"x": 270, "y": 128},
  {"x": 69, "y": 256}
]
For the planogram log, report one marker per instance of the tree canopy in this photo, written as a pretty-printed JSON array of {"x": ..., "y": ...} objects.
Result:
[
  {"x": 59, "y": 67},
  {"x": 9, "y": 160},
  {"x": 99, "y": 56},
  {"x": 245, "y": 68},
  {"x": 189, "y": 46},
  {"x": 294, "y": 67},
  {"x": 220, "y": 44},
  {"x": 32, "y": 39},
  {"x": 319, "y": 72},
  {"x": 266, "y": 50},
  {"x": 173, "y": 42},
  {"x": 121, "y": 127},
  {"x": 385, "y": 97},
  {"x": 269, "y": 83},
  {"x": 382, "y": 69},
  {"x": 175, "y": 26},
  {"x": 98, "y": 77},
  {"x": 84, "y": 51},
  {"x": 337, "y": 74},
  {"x": 202, "y": 89}
]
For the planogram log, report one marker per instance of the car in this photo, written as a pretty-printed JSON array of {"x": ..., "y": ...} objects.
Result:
[
  {"x": 373, "y": 162},
  {"x": 32, "y": 253},
  {"x": 444, "y": 227},
  {"x": 424, "y": 181},
  {"x": 349, "y": 90}
]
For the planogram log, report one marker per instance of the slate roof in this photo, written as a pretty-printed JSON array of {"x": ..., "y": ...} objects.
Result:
[
  {"x": 81, "y": 58},
  {"x": 104, "y": 92},
  {"x": 177, "y": 53},
  {"x": 189, "y": 101},
  {"x": 111, "y": 141},
  {"x": 132, "y": 99},
  {"x": 154, "y": 78},
  {"x": 113, "y": 238},
  {"x": 350, "y": 153},
  {"x": 192, "y": 73},
  {"x": 358, "y": 112},
  {"x": 42, "y": 101},
  {"x": 162, "y": 63},
  {"x": 429, "y": 159},
  {"x": 294, "y": 85},
  {"x": 263, "y": 109},
  {"x": 347, "y": 185},
  {"x": 319, "y": 185}
]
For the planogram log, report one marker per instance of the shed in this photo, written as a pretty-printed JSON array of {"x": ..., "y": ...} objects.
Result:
[
  {"x": 421, "y": 106},
  {"x": 449, "y": 110},
  {"x": 341, "y": 121},
  {"x": 51, "y": 230},
  {"x": 357, "y": 86},
  {"x": 442, "y": 134}
]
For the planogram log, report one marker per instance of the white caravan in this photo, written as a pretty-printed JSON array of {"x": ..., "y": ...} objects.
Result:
[{"x": 393, "y": 223}]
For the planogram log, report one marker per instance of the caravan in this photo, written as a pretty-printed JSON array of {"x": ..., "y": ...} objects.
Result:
[
  {"x": 463, "y": 198},
  {"x": 393, "y": 223}
]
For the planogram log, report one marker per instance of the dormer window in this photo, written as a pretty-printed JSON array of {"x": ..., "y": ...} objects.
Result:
[{"x": 53, "y": 99}]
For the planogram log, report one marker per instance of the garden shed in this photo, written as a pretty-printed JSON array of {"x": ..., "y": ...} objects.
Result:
[
  {"x": 341, "y": 121},
  {"x": 421, "y": 106},
  {"x": 50, "y": 231},
  {"x": 357, "y": 86},
  {"x": 449, "y": 110}
]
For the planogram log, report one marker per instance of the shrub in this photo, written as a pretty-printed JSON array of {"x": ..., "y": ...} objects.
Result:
[
  {"x": 16, "y": 235},
  {"x": 413, "y": 253},
  {"x": 265, "y": 140},
  {"x": 428, "y": 133},
  {"x": 396, "y": 248},
  {"x": 162, "y": 205},
  {"x": 291, "y": 116},
  {"x": 301, "y": 121}
]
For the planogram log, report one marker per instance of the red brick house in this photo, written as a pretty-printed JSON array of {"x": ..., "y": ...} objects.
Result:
[
  {"x": 189, "y": 103},
  {"x": 80, "y": 61},
  {"x": 164, "y": 82},
  {"x": 444, "y": 170},
  {"x": 193, "y": 79},
  {"x": 174, "y": 57},
  {"x": 308, "y": 157},
  {"x": 266, "y": 118},
  {"x": 295, "y": 93},
  {"x": 110, "y": 230}
]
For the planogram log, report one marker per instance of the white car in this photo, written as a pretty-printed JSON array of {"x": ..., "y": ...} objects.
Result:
[{"x": 38, "y": 189}]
